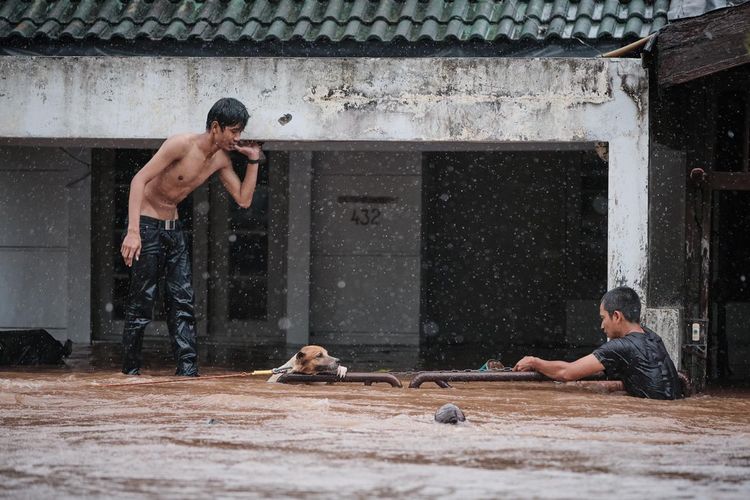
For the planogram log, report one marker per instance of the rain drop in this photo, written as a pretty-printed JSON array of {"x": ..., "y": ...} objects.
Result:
[
  {"x": 431, "y": 328},
  {"x": 202, "y": 207}
]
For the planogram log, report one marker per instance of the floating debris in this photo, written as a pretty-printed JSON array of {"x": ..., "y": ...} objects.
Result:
[{"x": 449, "y": 414}]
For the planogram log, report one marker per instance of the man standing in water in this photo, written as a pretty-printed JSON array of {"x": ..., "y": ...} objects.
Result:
[
  {"x": 155, "y": 244},
  {"x": 634, "y": 354}
]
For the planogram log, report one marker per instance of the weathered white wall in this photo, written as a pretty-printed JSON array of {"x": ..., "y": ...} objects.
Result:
[
  {"x": 45, "y": 240},
  {"x": 366, "y": 99},
  {"x": 668, "y": 324}
]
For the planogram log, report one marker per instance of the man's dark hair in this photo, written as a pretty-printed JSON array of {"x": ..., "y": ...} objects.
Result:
[
  {"x": 625, "y": 300},
  {"x": 227, "y": 112}
]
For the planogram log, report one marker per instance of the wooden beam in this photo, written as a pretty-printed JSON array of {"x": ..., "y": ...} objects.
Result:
[
  {"x": 730, "y": 181},
  {"x": 701, "y": 46}
]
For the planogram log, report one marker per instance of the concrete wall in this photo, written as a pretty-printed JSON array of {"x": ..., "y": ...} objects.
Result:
[{"x": 45, "y": 240}]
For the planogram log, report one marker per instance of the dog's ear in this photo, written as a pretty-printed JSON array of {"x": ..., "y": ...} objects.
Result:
[{"x": 300, "y": 355}]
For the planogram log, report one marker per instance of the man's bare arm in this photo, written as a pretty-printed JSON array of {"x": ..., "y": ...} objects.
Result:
[
  {"x": 242, "y": 191},
  {"x": 171, "y": 151},
  {"x": 561, "y": 370}
]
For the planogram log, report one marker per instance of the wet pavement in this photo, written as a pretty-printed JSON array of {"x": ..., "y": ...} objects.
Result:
[{"x": 63, "y": 434}]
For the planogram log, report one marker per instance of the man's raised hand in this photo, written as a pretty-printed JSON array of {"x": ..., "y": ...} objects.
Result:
[{"x": 251, "y": 149}]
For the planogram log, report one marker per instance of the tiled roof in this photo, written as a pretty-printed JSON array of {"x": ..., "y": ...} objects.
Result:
[{"x": 331, "y": 20}]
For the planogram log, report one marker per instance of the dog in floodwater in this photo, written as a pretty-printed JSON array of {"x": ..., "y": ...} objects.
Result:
[{"x": 310, "y": 360}]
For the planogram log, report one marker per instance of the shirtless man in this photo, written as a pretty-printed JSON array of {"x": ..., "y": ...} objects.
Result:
[
  {"x": 155, "y": 243},
  {"x": 634, "y": 354}
]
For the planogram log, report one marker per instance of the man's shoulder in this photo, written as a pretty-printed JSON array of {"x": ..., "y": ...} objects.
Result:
[
  {"x": 179, "y": 143},
  {"x": 611, "y": 345},
  {"x": 185, "y": 139}
]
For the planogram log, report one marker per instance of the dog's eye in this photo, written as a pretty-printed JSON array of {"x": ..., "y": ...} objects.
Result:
[{"x": 320, "y": 355}]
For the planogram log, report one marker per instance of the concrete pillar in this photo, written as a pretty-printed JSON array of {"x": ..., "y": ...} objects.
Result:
[
  {"x": 627, "y": 218},
  {"x": 298, "y": 255}
]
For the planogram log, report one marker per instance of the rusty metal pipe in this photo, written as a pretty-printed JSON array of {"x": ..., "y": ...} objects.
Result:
[
  {"x": 443, "y": 377},
  {"x": 351, "y": 377}
]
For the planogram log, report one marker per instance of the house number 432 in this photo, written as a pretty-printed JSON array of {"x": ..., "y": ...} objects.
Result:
[{"x": 365, "y": 216}]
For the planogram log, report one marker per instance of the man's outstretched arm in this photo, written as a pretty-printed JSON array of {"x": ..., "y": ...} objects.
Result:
[
  {"x": 561, "y": 370},
  {"x": 242, "y": 191}
]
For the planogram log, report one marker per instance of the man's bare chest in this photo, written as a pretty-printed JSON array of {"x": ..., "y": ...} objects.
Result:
[{"x": 185, "y": 175}]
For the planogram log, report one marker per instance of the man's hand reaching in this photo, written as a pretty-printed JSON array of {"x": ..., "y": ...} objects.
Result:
[
  {"x": 251, "y": 149},
  {"x": 526, "y": 364}
]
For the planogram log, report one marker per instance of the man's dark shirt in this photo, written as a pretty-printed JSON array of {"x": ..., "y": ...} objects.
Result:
[{"x": 641, "y": 361}]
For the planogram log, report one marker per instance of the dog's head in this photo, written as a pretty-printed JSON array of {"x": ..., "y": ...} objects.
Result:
[{"x": 313, "y": 359}]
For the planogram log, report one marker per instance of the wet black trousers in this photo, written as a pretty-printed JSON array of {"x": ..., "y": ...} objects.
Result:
[{"x": 164, "y": 252}]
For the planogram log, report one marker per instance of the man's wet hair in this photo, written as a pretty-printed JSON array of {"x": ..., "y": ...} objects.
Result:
[
  {"x": 227, "y": 112},
  {"x": 625, "y": 300}
]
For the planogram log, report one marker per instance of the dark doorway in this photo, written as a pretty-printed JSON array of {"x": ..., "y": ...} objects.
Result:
[
  {"x": 514, "y": 255},
  {"x": 729, "y": 342}
]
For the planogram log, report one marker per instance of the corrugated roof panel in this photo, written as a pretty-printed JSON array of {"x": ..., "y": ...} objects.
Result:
[{"x": 334, "y": 20}]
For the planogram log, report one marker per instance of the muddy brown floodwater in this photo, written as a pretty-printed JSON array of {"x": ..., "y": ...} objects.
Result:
[{"x": 64, "y": 435}]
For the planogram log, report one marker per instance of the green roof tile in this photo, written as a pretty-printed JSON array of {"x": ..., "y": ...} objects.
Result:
[
  {"x": 555, "y": 29},
  {"x": 607, "y": 27},
  {"x": 634, "y": 27},
  {"x": 559, "y": 9},
  {"x": 334, "y": 20},
  {"x": 535, "y": 9},
  {"x": 582, "y": 27}
]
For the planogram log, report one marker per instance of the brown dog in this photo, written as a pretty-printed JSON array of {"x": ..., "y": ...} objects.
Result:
[{"x": 310, "y": 360}]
